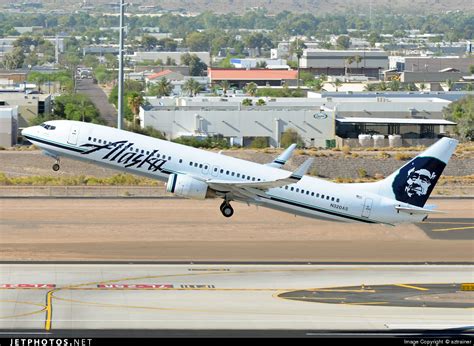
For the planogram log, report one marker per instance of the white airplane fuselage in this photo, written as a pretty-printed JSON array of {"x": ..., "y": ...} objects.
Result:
[{"x": 158, "y": 159}]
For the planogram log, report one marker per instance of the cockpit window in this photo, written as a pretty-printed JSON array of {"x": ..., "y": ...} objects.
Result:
[{"x": 48, "y": 127}]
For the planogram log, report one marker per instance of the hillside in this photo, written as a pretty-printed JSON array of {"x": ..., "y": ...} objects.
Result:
[{"x": 316, "y": 7}]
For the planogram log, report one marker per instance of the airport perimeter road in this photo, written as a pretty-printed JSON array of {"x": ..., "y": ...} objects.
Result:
[
  {"x": 100, "y": 100},
  {"x": 47, "y": 298},
  {"x": 171, "y": 229}
]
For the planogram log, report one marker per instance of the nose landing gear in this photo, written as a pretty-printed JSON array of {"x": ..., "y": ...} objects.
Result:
[{"x": 226, "y": 209}]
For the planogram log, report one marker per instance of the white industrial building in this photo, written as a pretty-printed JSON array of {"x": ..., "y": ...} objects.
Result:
[
  {"x": 8, "y": 126},
  {"x": 317, "y": 120},
  {"x": 163, "y": 56}
]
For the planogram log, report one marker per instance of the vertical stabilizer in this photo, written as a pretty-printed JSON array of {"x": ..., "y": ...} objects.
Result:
[{"x": 414, "y": 182}]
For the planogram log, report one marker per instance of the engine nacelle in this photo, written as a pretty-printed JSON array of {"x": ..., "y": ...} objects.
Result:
[{"x": 185, "y": 186}]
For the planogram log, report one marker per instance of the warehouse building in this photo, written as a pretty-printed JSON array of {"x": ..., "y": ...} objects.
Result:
[
  {"x": 317, "y": 121},
  {"x": 8, "y": 126},
  {"x": 341, "y": 62}
]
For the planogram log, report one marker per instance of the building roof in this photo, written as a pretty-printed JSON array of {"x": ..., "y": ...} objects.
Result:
[
  {"x": 160, "y": 74},
  {"x": 243, "y": 74},
  {"x": 401, "y": 121}
]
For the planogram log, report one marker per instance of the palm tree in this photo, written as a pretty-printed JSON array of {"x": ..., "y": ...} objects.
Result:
[
  {"x": 349, "y": 62},
  {"x": 337, "y": 83},
  {"x": 450, "y": 84},
  {"x": 135, "y": 100},
  {"x": 191, "y": 87},
  {"x": 251, "y": 89},
  {"x": 163, "y": 87},
  {"x": 318, "y": 84},
  {"x": 422, "y": 86},
  {"x": 358, "y": 60},
  {"x": 225, "y": 85}
]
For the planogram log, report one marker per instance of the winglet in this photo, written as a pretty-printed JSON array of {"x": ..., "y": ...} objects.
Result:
[
  {"x": 283, "y": 157},
  {"x": 302, "y": 170}
]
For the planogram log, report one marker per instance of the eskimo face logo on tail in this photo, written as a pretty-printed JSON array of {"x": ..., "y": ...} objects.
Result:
[
  {"x": 121, "y": 153},
  {"x": 416, "y": 180}
]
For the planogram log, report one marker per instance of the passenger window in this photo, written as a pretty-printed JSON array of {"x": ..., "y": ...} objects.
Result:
[
  {"x": 227, "y": 172},
  {"x": 248, "y": 178},
  {"x": 337, "y": 200},
  {"x": 222, "y": 171},
  {"x": 238, "y": 175},
  {"x": 302, "y": 191},
  {"x": 292, "y": 188},
  {"x": 90, "y": 138},
  {"x": 180, "y": 160},
  {"x": 190, "y": 163},
  {"x": 286, "y": 187},
  {"x": 297, "y": 190},
  {"x": 195, "y": 164},
  {"x": 200, "y": 165},
  {"x": 233, "y": 173},
  {"x": 169, "y": 158},
  {"x": 332, "y": 199},
  {"x": 243, "y": 176},
  {"x": 312, "y": 194},
  {"x": 327, "y": 197},
  {"x": 307, "y": 192},
  {"x": 94, "y": 140},
  {"x": 322, "y": 196},
  {"x": 317, "y": 195}
]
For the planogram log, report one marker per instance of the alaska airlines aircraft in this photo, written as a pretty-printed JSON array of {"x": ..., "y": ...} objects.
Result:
[{"x": 199, "y": 174}]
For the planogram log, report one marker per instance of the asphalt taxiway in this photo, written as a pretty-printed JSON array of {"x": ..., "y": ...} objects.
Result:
[{"x": 56, "y": 297}]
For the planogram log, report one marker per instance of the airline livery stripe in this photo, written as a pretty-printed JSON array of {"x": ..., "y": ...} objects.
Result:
[
  {"x": 296, "y": 204},
  {"x": 62, "y": 146}
]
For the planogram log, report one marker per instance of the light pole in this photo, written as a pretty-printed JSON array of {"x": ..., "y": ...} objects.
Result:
[{"x": 120, "y": 76}]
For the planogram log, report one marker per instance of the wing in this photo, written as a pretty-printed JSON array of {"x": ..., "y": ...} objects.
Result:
[
  {"x": 284, "y": 156},
  {"x": 222, "y": 185}
]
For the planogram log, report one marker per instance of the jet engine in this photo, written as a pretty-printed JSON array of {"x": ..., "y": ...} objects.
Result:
[{"x": 186, "y": 186}]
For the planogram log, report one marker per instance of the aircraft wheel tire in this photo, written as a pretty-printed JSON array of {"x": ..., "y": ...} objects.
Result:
[
  {"x": 56, "y": 167},
  {"x": 227, "y": 210}
]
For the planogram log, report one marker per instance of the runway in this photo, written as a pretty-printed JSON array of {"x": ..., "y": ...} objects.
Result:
[
  {"x": 171, "y": 229},
  {"x": 53, "y": 298}
]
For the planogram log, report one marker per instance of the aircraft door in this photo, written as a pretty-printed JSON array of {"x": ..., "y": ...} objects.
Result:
[
  {"x": 73, "y": 134},
  {"x": 367, "y": 207}
]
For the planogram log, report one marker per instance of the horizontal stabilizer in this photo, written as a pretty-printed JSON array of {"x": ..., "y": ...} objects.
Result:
[{"x": 415, "y": 210}]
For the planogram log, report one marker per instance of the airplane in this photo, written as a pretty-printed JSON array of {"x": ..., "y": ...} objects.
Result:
[{"x": 199, "y": 174}]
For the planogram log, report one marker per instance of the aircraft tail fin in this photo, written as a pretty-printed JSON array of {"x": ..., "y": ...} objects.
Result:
[{"x": 414, "y": 182}]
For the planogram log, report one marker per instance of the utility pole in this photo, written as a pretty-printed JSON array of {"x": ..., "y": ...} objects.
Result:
[{"x": 120, "y": 76}]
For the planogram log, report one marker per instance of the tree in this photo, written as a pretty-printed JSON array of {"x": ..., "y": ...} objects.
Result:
[
  {"x": 358, "y": 60},
  {"x": 349, "y": 62},
  {"x": 134, "y": 101},
  {"x": 191, "y": 87},
  {"x": 394, "y": 85},
  {"x": 251, "y": 89},
  {"x": 337, "y": 83},
  {"x": 149, "y": 42},
  {"x": 197, "y": 41},
  {"x": 449, "y": 84},
  {"x": 14, "y": 59},
  {"x": 462, "y": 112},
  {"x": 162, "y": 88},
  {"x": 260, "y": 102},
  {"x": 225, "y": 85},
  {"x": 247, "y": 102},
  {"x": 289, "y": 137},
  {"x": 258, "y": 41},
  {"x": 343, "y": 42},
  {"x": 471, "y": 69}
]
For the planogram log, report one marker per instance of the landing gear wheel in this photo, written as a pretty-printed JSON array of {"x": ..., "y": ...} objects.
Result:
[
  {"x": 56, "y": 167},
  {"x": 226, "y": 209}
]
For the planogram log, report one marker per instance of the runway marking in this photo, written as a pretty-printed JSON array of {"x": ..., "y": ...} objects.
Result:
[
  {"x": 366, "y": 303},
  {"x": 412, "y": 287},
  {"x": 451, "y": 229},
  {"x": 446, "y": 222},
  {"x": 24, "y": 314},
  {"x": 50, "y": 295},
  {"x": 340, "y": 290}
]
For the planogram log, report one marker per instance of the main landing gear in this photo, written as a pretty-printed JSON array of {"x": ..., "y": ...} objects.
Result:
[
  {"x": 56, "y": 165},
  {"x": 226, "y": 209}
]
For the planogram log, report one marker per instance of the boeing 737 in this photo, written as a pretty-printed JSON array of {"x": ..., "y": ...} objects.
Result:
[{"x": 199, "y": 174}]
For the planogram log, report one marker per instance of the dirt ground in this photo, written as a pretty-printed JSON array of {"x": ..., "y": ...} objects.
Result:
[{"x": 178, "y": 229}]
